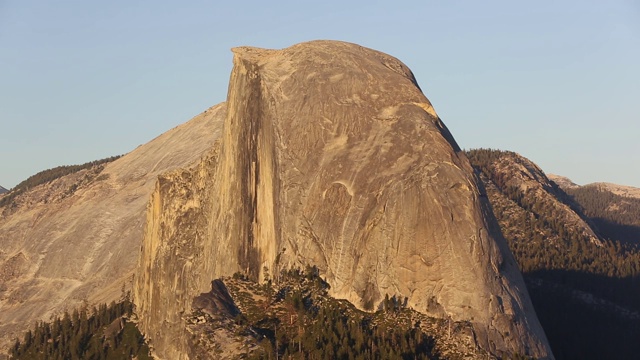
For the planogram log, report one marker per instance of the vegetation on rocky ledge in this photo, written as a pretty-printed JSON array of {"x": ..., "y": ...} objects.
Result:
[{"x": 295, "y": 318}]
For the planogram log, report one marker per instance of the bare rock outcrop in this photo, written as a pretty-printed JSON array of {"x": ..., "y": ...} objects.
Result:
[
  {"x": 331, "y": 155},
  {"x": 77, "y": 239},
  {"x": 562, "y": 181}
]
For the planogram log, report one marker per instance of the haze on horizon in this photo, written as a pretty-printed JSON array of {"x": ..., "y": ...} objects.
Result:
[{"x": 555, "y": 82}]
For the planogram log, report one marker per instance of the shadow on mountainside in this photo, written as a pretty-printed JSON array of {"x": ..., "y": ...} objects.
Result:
[
  {"x": 587, "y": 316},
  {"x": 624, "y": 292},
  {"x": 628, "y": 234}
]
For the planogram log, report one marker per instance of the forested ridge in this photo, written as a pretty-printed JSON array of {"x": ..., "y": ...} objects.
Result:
[
  {"x": 616, "y": 216},
  {"x": 585, "y": 289},
  {"x": 598, "y": 202},
  {"x": 49, "y": 175}
]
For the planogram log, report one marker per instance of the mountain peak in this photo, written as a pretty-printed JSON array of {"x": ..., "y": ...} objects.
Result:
[
  {"x": 331, "y": 156},
  {"x": 562, "y": 181}
]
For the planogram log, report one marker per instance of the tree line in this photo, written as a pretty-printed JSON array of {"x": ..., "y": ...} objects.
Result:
[
  {"x": 103, "y": 333},
  {"x": 303, "y": 322},
  {"x": 49, "y": 175}
]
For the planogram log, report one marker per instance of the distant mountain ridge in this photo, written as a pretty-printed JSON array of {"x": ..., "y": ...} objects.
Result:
[
  {"x": 579, "y": 250},
  {"x": 615, "y": 209},
  {"x": 3, "y": 190},
  {"x": 622, "y": 190}
]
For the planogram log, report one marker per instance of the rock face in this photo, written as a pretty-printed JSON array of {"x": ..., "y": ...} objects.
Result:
[
  {"x": 59, "y": 248},
  {"x": 332, "y": 156}
]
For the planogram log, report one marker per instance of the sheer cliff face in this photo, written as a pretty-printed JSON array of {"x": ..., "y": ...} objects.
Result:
[
  {"x": 331, "y": 155},
  {"x": 60, "y": 247}
]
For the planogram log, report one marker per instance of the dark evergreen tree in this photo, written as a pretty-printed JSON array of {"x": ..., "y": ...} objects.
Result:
[{"x": 81, "y": 335}]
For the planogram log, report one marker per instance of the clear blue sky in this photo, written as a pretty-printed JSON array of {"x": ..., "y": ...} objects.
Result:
[{"x": 557, "y": 81}]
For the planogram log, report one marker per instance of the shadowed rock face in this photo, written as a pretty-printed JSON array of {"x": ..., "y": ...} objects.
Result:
[
  {"x": 332, "y": 156},
  {"x": 216, "y": 302}
]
